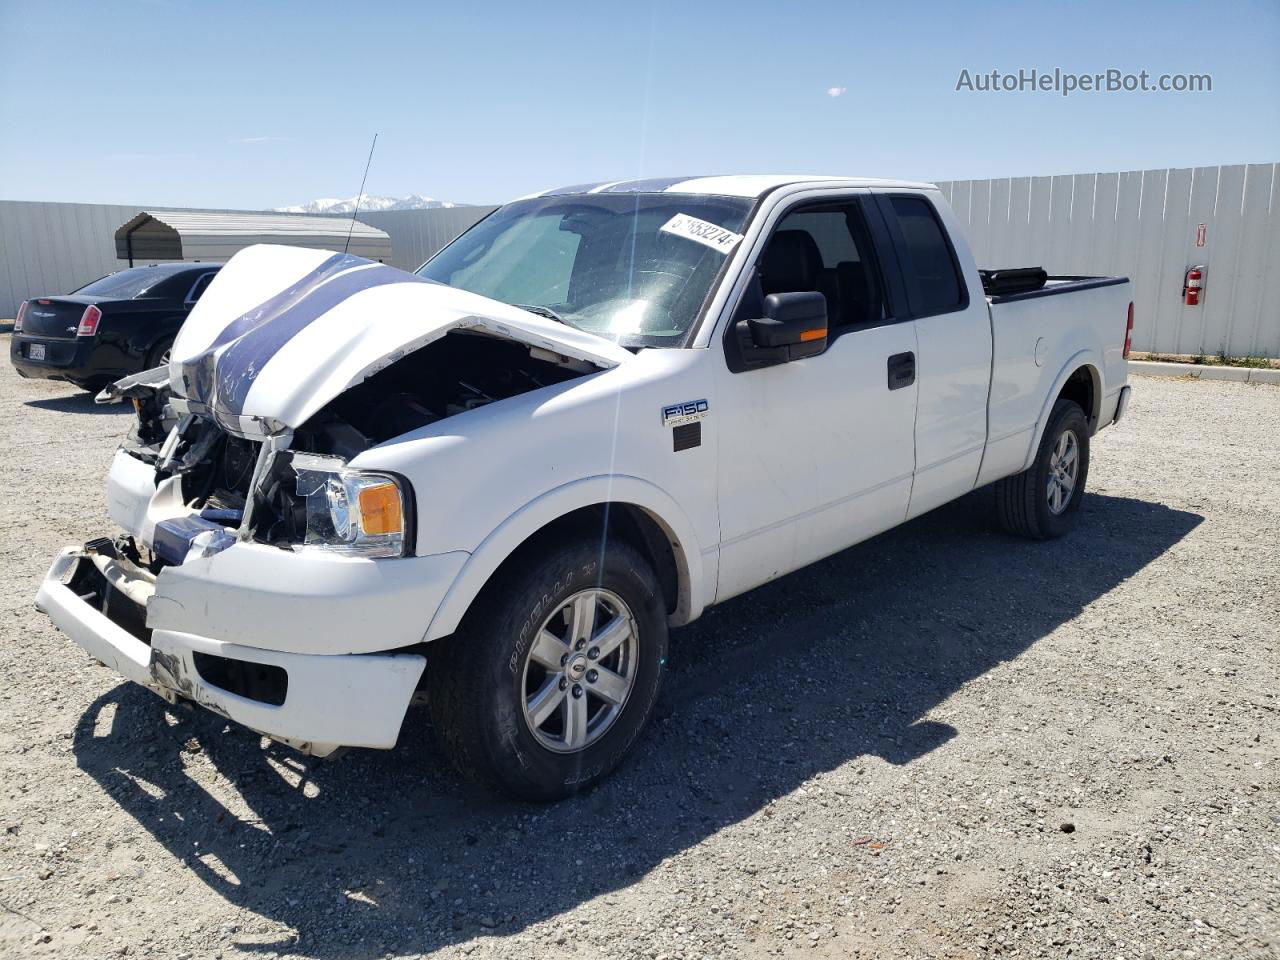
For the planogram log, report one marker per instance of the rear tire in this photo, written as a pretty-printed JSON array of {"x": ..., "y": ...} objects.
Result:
[
  {"x": 158, "y": 356},
  {"x": 1041, "y": 503},
  {"x": 518, "y": 708}
]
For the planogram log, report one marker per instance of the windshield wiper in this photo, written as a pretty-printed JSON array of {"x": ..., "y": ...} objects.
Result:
[{"x": 542, "y": 311}]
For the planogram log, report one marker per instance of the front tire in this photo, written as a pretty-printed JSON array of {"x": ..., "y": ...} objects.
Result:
[
  {"x": 1041, "y": 503},
  {"x": 554, "y": 673}
]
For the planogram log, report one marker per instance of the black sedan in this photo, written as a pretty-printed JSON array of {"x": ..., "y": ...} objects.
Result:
[{"x": 120, "y": 324}]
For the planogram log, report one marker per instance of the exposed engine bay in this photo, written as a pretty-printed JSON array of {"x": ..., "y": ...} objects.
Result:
[
  {"x": 459, "y": 372},
  {"x": 221, "y": 472}
]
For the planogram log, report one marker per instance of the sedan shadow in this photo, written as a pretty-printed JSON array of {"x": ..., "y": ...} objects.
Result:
[
  {"x": 79, "y": 403},
  {"x": 375, "y": 854}
]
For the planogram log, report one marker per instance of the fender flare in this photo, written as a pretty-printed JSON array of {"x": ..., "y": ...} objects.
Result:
[
  {"x": 1081, "y": 358},
  {"x": 556, "y": 503}
]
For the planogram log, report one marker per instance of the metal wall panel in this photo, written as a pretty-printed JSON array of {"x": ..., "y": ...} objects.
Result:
[
  {"x": 1143, "y": 224},
  {"x": 52, "y": 248},
  {"x": 1224, "y": 257},
  {"x": 1259, "y": 265},
  {"x": 417, "y": 234},
  {"x": 1018, "y": 239},
  {"x": 1146, "y": 275}
]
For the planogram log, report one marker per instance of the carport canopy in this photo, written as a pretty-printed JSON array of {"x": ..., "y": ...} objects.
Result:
[{"x": 194, "y": 236}]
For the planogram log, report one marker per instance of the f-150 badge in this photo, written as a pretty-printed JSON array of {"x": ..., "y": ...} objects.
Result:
[{"x": 679, "y": 413}]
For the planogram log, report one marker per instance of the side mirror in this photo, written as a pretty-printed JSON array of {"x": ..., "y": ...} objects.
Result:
[{"x": 794, "y": 327}]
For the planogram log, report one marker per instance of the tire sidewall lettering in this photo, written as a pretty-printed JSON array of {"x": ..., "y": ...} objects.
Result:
[{"x": 536, "y": 615}]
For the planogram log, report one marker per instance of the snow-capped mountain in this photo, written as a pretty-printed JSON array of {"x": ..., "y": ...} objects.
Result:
[{"x": 331, "y": 205}]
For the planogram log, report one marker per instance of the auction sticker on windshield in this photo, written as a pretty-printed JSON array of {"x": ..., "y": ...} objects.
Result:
[{"x": 700, "y": 231}]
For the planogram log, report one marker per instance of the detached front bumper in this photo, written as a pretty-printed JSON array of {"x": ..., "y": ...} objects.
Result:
[{"x": 313, "y": 702}]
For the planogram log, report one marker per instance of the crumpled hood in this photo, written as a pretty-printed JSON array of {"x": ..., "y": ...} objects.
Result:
[{"x": 281, "y": 331}]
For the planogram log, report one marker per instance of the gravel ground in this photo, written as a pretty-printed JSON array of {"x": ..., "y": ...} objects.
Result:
[{"x": 941, "y": 743}]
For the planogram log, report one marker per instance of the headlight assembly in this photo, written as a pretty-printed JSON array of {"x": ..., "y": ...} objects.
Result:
[{"x": 352, "y": 512}]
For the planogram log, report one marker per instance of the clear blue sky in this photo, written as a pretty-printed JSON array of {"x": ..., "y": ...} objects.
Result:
[{"x": 256, "y": 104}]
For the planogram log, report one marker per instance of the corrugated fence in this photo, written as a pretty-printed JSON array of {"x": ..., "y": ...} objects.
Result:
[
  {"x": 52, "y": 248},
  {"x": 417, "y": 234},
  {"x": 1149, "y": 225}
]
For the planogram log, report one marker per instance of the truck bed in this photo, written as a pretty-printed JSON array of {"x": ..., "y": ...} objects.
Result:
[{"x": 1039, "y": 336}]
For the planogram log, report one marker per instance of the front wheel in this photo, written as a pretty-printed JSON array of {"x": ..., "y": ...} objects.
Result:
[
  {"x": 1041, "y": 502},
  {"x": 554, "y": 673}
]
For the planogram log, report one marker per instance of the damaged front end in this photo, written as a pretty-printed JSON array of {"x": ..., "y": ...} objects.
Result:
[
  {"x": 102, "y": 595},
  {"x": 275, "y": 390},
  {"x": 111, "y": 578},
  {"x": 261, "y": 573},
  {"x": 294, "y": 489},
  {"x": 223, "y": 589}
]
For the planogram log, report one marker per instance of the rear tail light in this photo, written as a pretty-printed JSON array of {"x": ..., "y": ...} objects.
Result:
[
  {"x": 1128, "y": 331},
  {"x": 17, "y": 321},
  {"x": 89, "y": 322}
]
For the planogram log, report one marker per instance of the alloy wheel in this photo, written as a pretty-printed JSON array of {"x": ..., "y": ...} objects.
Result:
[
  {"x": 579, "y": 670},
  {"x": 1064, "y": 469}
]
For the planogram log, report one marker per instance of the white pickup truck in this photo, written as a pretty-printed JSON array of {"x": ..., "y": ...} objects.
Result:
[{"x": 497, "y": 483}]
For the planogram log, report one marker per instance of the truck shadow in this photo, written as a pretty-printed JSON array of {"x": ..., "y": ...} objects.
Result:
[{"x": 373, "y": 854}]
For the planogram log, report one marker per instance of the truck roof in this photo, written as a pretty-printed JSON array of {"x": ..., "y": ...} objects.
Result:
[{"x": 743, "y": 185}]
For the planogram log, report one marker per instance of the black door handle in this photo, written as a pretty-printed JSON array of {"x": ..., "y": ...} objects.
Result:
[{"x": 902, "y": 370}]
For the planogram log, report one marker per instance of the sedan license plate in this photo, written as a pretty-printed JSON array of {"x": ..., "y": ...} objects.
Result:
[{"x": 35, "y": 351}]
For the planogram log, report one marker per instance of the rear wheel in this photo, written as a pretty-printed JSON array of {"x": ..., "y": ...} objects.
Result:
[
  {"x": 1042, "y": 501},
  {"x": 160, "y": 353},
  {"x": 554, "y": 674}
]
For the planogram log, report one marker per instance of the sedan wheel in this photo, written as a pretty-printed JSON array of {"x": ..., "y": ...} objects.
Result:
[{"x": 160, "y": 354}]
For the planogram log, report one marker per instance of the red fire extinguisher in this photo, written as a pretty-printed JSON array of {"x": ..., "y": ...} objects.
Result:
[{"x": 1192, "y": 286}]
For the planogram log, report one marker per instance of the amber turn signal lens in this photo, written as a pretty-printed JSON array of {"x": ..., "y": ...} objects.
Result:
[
  {"x": 810, "y": 335},
  {"x": 380, "y": 512}
]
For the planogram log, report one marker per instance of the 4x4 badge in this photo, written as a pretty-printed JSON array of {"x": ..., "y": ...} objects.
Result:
[{"x": 679, "y": 413}]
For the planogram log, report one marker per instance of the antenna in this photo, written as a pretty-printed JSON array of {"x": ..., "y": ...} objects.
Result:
[{"x": 360, "y": 195}]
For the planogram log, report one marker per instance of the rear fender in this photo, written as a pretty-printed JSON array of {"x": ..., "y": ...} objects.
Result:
[{"x": 1084, "y": 358}]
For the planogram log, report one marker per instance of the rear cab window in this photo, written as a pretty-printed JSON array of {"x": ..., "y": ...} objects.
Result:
[{"x": 928, "y": 260}]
